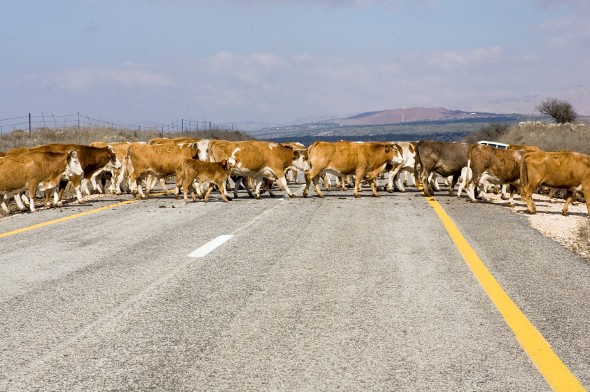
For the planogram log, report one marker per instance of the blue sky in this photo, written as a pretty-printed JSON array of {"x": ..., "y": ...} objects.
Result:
[{"x": 279, "y": 61}]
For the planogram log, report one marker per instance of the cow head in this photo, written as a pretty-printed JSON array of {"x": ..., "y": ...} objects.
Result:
[
  {"x": 203, "y": 146},
  {"x": 228, "y": 163},
  {"x": 73, "y": 166},
  {"x": 300, "y": 160},
  {"x": 114, "y": 162},
  {"x": 195, "y": 150},
  {"x": 398, "y": 154}
]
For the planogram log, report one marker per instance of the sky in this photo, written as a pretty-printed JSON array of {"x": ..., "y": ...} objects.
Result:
[{"x": 288, "y": 61}]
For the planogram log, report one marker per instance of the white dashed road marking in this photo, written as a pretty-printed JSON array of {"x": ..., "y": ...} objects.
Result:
[{"x": 210, "y": 246}]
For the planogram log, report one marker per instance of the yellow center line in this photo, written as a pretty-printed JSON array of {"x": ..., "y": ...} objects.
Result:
[
  {"x": 66, "y": 218},
  {"x": 551, "y": 367}
]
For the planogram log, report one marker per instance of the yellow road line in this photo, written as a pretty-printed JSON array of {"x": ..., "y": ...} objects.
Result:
[
  {"x": 551, "y": 367},
  {"x": 66, "y": 218}
]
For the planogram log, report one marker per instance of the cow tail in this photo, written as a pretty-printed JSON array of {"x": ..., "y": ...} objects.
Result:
[
  {"x": 309, "y": 152},
  {"x": 418, "y": 164},
  {"x": 523, "y": 174}
]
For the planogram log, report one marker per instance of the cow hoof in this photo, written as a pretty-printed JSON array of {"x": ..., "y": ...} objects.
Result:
[
  {"x": 390, "y": 190},
  {"x": 305, "y": 193},
  {"x": 81, "y": 202},
  {"x": 229, "y": 198},
  {"x": 565, "y": 213},
  {"x": 291, "y": 195}
]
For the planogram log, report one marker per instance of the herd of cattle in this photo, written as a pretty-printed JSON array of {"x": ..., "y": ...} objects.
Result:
[{"x": 200, "y": 165}]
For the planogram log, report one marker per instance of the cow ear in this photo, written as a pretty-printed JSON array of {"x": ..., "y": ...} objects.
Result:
[
  {"x": 387, "y": 148},
  {"x": 297, "y": 154},
  {"x": 224, "y": 162}
]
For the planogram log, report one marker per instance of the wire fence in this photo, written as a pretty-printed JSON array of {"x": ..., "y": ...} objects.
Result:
[{"x": 32, "y": 122}]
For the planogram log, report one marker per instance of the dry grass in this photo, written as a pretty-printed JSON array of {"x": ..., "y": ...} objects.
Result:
[
  {"x": 550, "y": 137},
  {"x": 87, "y": 135}
]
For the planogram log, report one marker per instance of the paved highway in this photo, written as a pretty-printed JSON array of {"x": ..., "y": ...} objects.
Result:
[{"x": 304, "y": 294}]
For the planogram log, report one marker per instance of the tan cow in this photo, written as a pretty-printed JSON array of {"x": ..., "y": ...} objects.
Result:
[
  {"x": 493, "y": 165},
  {"x": 211, "y": 173},
  {"x": 259, "y": 160},
  {"x": 363, "y": 160},
  {"x": 523, "y": 147},
  {"x": 158, "y": 161},
  {"x": 176, "y": 140},
  {"x": 91, "y": 158},
  {"x": 563, "y": 170},
  {"x": 28, "y": 170}
]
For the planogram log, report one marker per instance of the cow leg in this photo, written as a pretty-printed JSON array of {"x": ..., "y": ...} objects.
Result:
[
  {"x": 185, "y": 185},
  {"x": 433, "y": 181},
  {"x": 77, "y": 183},
  {"x": 357, "y": 183},
  {"x": 423, "y": 178},
  {"x": 96, "y": 186},
  {"x": 163, "y": 185},
  {"x": 32, "y": 192},
  {"x": 19, "y": 202},
  {"x": 208, "y": 192},
  {"x": 224, "y": 196},
  {"x": 224, "y": 189},
  {"x": 513, "y": 189},
  {"x": 373, "y": 183},
  {"x": 454, "y": 180},
  {"x": 136, "y": 188},
  {"x": 393, "y": 177},
  {"x": 249, "y": 184},
  {"x": 568, "y": 199},
  {"x": 3, "y": 204},
  {"x": 257, "y": 184},
  {"x": 312, "y": 175},
  {"x": 505, "y": 195},
  {"x": 398, "y": 181},
  {"x": 527, "y": 196},
  {"x": 283, "y": 182},
  {"x": 119, "y": 182}
]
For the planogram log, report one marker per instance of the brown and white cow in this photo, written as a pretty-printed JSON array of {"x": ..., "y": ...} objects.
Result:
[
  {"x": 91, "y": 158},
  {"x": 203, "y": 172},
  {"x": 259, "y": 160},
  {"x": 443, "y": 158},
  {"x": 406, "y": 167},
  {"x": 363, "y": 160},
  {"x": 28, "y": 170},
  {"x": 493, "y": 165},
  {"x": 158, "y": 161},
  {"x": 563, "y": 170},
  {"x": 117, "y": 175}
]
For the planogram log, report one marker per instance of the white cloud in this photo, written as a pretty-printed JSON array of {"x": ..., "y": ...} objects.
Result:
[
  {"x": 456, "y": 59},
  {"x": 127, "y": 75}
]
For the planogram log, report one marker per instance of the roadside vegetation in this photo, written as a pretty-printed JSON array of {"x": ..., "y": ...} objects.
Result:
[{"x": 87, "y": 135}]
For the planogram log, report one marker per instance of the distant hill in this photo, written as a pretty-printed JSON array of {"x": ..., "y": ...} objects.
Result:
[
  {"x": 403, "y": 115},
  {"x": 396, "y": 124}
]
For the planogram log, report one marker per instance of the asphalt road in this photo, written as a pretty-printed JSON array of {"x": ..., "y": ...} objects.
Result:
[{"x": 309, "y": 294}]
